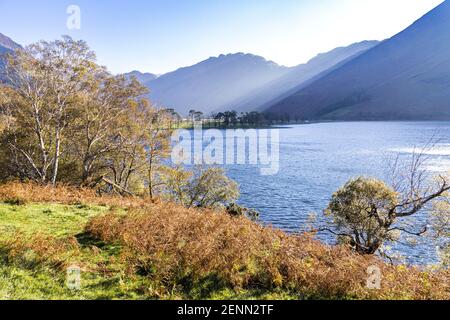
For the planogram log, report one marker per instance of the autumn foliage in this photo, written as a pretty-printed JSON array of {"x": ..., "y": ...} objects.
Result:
[
  {"x": 201, "y": 249},
  {"x": 22, "y": 193},
  {"x": 184, "y": 247}
]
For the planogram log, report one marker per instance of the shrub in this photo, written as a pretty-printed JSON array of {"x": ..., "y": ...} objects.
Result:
[
  {"x": 361, "y": 211},
  {"x": 40, "y": 250},
  {"x": 181, "y": 247},
  {"x": 22, "y": 193},
  {"x": 15, "y": 201},
  {"x": 235, "y": 210}
]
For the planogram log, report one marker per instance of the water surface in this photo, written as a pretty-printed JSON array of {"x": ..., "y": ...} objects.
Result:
[{"x": 316, "y": 159}]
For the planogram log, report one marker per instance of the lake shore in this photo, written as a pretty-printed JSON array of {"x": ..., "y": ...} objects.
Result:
[{"x": 123, "y": 248}]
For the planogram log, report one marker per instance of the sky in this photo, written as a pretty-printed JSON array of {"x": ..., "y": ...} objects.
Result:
[{"x": 158, "y": 36}]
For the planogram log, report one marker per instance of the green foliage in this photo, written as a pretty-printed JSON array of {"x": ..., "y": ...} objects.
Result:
[
  {"x": 361, "y": 211},
  {"x": 235, "y": 210},
  {"x": 440, "y": 222},
  {"x": 201, "y": 188},
  {"x": 104, "y": 275},
  {"x": 367, "y": 213},
  {"x": 65, "y": 119}
]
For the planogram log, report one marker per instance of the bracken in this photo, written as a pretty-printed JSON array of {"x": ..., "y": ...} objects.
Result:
[
  {"x": 193, "y": 248},
  {"x": 179, "y": 246}
]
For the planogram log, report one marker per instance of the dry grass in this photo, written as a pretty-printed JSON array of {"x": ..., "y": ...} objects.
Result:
[
  {"x": 40, "y": 250},
  {"x": 21, "y": 193},
  {"x": 191, "y": 250},
  {"x": 184, "y": 247}
]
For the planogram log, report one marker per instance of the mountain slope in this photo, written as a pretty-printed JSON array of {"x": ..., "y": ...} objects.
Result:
[
  {"x": 214, "y": 83},
  {"x": 6, "y": 46},
  {"x": 404, "y": 78},
  {"x": 141, "y": 77},
  {"x": 297, "y": 76}
]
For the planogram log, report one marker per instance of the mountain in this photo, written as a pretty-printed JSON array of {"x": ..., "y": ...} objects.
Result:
[
  {"x": 6, "y": 46},
  {"x": 406, "y": 77},
  {"x": 213, "y": 84},
  {"x": 141, "y": 77},
  {"x": 282, "y": 87}
]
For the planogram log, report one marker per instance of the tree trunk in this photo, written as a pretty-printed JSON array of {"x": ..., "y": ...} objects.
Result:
[
  {"x": 57, "y": 155},
  {"x": 43, "y": 149}
]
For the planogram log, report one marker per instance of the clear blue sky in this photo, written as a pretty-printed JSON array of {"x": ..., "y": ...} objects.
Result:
[{"x": 161, "y": 35}]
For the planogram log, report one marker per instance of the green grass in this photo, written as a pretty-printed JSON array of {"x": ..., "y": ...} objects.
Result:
[
  {"x": 50, "y": 219},
  {"x": 19, "y": 281},
  {"x": 104, "y": 275}
]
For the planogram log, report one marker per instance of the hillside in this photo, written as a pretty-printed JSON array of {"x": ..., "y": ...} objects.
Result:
[
  {"x": 403, "y": 78},
  {"x": 299, "y": 76},
  {"x": 243, "y": 82},
  {"x": 214, "y": 83},
  {"x": 6, "y": 46}
]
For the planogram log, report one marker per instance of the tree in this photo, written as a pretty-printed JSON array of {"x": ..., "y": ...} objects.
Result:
[
  {"x": 125, "y": 163},
  {"x": 219, "y": 117},
  {"x": 105, "y": 113},
  {"x": 67, "y": 119},
  {"x": 198, "y": 116},
  {"x": 157, "y": 148},
  {"x": 192, "y": 116},
  {"x": 173, "y": 117},
  {"x": 201, "y": 188},
  {"x": 26, "y": 139},
  {"x": 440, "y": 222},
  {"x": 360, "y": 212},
  {"x": 46, "y": 80},
  {"x": 139, "y": 149},
  {"x": 366, "y": 212}
]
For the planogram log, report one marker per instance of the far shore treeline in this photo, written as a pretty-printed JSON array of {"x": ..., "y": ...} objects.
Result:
[{"x": 229, "y": 119}]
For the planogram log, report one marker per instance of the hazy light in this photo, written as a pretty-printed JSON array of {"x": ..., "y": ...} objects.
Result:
[{"x": 161, "y": 35}]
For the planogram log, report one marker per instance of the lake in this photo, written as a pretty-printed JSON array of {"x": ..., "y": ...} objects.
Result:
[{"x": 316, "y": 159}]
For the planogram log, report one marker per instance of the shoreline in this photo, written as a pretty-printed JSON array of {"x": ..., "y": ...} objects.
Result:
[{"x": 288, "y": 125}]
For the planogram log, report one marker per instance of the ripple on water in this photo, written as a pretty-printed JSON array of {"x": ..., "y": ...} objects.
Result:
[{"x": 316, "y": 159}]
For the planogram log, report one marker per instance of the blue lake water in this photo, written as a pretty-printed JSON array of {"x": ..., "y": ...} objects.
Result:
[{"x": 316, "y": 159}]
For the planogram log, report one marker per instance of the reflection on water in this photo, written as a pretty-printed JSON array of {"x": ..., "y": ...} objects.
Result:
[{"x": 316, "y": 159}]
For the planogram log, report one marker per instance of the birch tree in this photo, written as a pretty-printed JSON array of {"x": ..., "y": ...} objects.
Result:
[{"x": 45, "y": 82}]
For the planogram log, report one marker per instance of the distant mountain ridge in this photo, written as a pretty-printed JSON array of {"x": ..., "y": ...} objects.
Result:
[
  {"x": 242, "y": 82},
  {"x": 406, "y": 77},
  {"x": 142, "y": 77},
  {"x": 6, "y": 46},
  {"x": 275, "y": 91},
  {"x": 213, "y": 84}
]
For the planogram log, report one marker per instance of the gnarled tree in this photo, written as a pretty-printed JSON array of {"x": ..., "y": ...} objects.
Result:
[{"x": 367, "y": 212}]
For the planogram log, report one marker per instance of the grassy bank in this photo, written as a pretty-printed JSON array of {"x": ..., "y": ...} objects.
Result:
[{"x": 132, "y": 249}]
